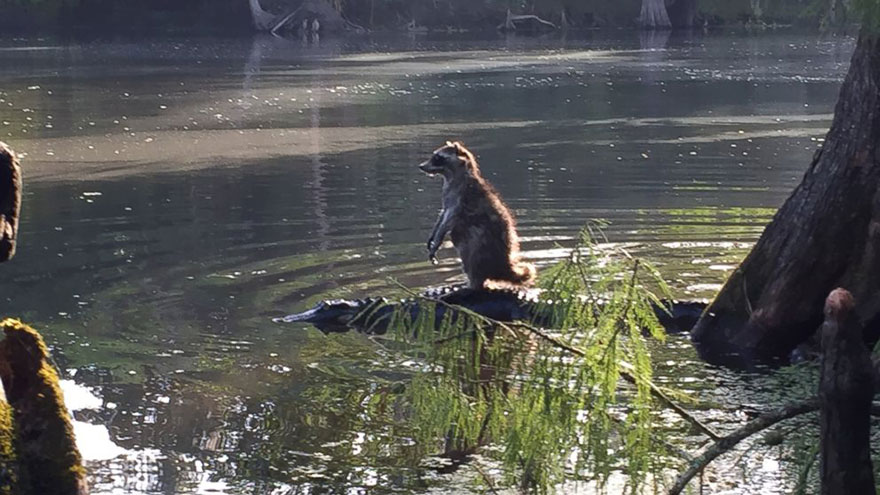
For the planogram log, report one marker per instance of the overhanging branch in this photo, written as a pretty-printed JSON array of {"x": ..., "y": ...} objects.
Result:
[
  {"x": 730, "y": 441},
  {"x": 627, "y": 372}
]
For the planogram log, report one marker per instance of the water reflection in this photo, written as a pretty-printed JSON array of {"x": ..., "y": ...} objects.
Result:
[{"x": 181, "y": 193}]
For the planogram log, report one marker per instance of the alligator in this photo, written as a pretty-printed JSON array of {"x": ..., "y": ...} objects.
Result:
[{"x": 372, "y": 315}]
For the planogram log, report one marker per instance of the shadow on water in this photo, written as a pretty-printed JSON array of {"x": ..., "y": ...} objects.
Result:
[{"x": 181, "y": 193}]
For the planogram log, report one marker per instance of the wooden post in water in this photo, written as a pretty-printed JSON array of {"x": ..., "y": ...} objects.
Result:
[{"x": 846, "y": 388}]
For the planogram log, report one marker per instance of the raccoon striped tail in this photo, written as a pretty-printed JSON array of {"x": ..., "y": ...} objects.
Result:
[
  {"x": 524, "y": 273},
  {"x": 521, "y": 274}
]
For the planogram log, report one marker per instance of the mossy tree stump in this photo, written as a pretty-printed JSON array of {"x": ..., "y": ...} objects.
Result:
[
  {"x": 8, "y": 466},
  {"x": 38, "y": 453}
]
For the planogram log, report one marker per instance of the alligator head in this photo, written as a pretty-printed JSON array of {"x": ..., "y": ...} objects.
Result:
[
  {"x": 372, "y": 315},
  {"x": 338, "y": 315}
]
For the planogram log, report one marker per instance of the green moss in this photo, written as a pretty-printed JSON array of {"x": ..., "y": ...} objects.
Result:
[
  {"x": 48, "y": 459},
  {"x": 8, "y": 466}
]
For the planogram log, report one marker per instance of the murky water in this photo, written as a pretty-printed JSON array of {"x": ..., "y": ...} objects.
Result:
[{"x": 181, "y": 193}]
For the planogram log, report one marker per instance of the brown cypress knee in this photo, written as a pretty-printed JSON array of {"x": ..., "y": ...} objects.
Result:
[{"x": 846, "y": 388}]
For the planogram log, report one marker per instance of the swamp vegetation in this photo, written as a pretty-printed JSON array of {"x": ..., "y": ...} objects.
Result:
[
  {"x": 156, "y": 278},
  {"x": 552, "y": 401}
]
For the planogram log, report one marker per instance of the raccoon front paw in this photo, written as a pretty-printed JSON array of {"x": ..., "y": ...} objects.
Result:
[
  {"x": 432, "y": 251},
  {"x": 432, "y": 246}
]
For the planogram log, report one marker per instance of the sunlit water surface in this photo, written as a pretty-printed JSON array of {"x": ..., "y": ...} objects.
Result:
[{"x": 182, "y": 193}]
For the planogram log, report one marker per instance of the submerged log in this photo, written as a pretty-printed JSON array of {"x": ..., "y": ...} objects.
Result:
[
  {"x": 38, "y": 452},
  {"x": 10, "y": 201},
  {"x": 846, "y": 388},
  {"x": 826, "y": 235}
]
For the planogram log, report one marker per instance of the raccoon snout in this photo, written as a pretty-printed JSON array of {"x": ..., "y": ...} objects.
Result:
[{"x": 429, "y": 168}]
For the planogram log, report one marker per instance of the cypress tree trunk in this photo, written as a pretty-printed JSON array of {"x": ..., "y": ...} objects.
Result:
[
  {"x": 831, "y": 16},
  {"x": 682, "y": 13},
  {"x": 263, "y": 21},
  {"x": 654, "y": 15},
  {"x": 826, "y": 235}
]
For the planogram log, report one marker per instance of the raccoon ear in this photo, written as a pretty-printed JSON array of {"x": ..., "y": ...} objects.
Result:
[{"x": 450, "y": 144}]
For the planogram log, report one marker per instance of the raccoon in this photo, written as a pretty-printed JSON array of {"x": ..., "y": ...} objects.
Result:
[{"x": 481, "y": 227}]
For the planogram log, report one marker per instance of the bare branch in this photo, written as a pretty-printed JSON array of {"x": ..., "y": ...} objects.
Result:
[
  {"x": 730, "y": 441},
  {"x": 486, "y": 479},
  {"x": 509, "y": 22},
  {"x": 282, "y": 20}
]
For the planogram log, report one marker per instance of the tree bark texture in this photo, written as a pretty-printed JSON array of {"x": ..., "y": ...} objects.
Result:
[
  {"x": 825, "y": 235},
  {"x": 654, "y": 15},
  {"x": 10, "y": 201},
  {"x": 846, "y": 388},
  {"x": 682, "y": 13},
  {"x": 263, "y": 21}
]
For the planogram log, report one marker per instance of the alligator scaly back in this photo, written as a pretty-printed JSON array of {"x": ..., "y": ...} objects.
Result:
[{"x": 372, "y": 315}]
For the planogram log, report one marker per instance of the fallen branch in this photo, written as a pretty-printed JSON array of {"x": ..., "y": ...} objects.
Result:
[
  {"x": 509, "y": 22},
  {"x": 282, "y": 20},
  {"x": 486, "y": 479},
  {"x": 354, "y": 26}
]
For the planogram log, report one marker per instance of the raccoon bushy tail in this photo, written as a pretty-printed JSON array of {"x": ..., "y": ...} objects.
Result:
[
  {"x": 524, "y": 273},
  {"x": 521, "y": 273}
]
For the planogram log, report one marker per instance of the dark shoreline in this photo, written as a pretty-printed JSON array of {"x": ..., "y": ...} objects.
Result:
[
  {"x": 84, "y": 35},
  {"x": 96, "y": 18}
]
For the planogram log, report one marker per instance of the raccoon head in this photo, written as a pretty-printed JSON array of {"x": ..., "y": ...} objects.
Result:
[{"x": 450, "y": 160}]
